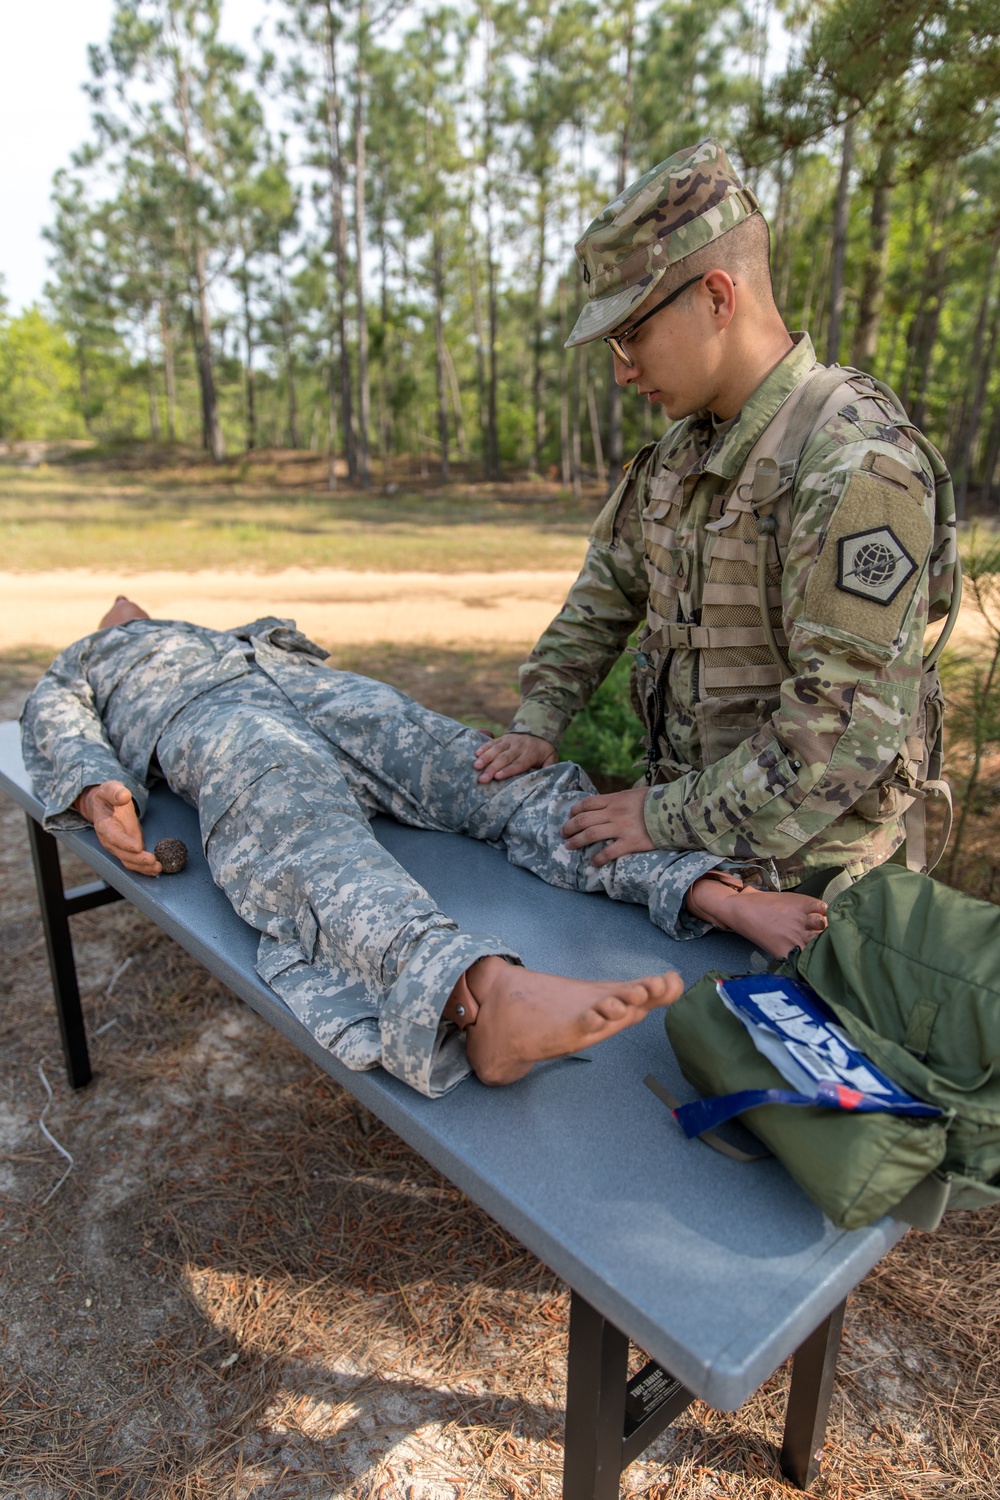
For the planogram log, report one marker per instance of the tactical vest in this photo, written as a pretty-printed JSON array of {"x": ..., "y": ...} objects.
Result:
[{"x": 739, "y": 635}]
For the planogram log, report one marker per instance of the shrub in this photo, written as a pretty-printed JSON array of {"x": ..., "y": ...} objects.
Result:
[{"x": 605, "y": 738}]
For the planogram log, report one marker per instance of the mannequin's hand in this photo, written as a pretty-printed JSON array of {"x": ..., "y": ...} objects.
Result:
[{"x": 111, "y": 810}]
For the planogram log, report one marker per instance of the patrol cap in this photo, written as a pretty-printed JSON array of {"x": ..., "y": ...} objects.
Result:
[{"x": 686, "y": 202}]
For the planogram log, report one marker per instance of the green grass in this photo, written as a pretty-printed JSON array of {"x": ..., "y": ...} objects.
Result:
[{"x": 56, "y": 518}]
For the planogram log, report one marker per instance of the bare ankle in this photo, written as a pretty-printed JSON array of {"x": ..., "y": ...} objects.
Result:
[
  {"x": 474, "y": 988},
  {"x": 707, "y": 897}
]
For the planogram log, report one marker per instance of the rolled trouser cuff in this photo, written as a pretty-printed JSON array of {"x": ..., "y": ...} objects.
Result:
[
  {"x": 669, "y": 888},
  {"x": 667, "y": 897},
  {"x": 417, "y": 1047}
]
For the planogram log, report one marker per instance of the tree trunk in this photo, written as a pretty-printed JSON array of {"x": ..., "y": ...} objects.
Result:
[
  {"x": 839, "y": 256},
  {"x": 331, "y": 460},
  {"x": 980, "y": 366},
  {"x": 196, "y": 350},
  {"x": 211, "y": 429},
  {"x": 154, "y": 403},
  {"x": 927, "y": 322},
  {"x": 384, "y": 415},
  {"x": 360, "y": 174},
  {"x": 442, "y": 390},
  {"x": 565, "y": 461},
  {"x": 477, "y": 317},
  {"x": 210, "y": 400},
  {"x": 167, "y": 345},
  {"x": 338, "y": 235},
  {"x": 876, "y": 263},
  {"x": 819, "y": 272},
  {"x": 456, "y": 400},
  {"x": 288, "y": 351},
  {"x": 491, "y": 443},
  {"x": 595, "y": 435},
  {"x": 924, "y": 316},
  {"x": 251, "y": 399},
  {"x": 991, "y": 462},
  {"x": 903, "y": 295},
  {"x": 781, "y": 256},
  {"x": 616, "y": 453},
  {"x": 537, "y": 406}
]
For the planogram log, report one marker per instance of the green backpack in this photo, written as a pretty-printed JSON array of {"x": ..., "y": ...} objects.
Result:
[{"x": 911, "y": 970}]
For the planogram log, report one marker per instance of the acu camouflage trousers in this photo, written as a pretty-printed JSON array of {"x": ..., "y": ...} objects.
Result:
[{"x": 355, "y": 946}]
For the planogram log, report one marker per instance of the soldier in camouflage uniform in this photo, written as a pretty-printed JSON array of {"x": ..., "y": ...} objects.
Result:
[
  {"x": 806, "y": 753},
  {"x": 286, "y": 762}
]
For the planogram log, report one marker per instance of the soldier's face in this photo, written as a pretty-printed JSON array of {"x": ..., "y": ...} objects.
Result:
[{"x": 677, "y": 355}]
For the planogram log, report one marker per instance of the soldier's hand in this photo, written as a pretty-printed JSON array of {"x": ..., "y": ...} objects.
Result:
[
  {"x": 110, "y": 808},
  {"x": 512, "y": 755},
  {"x": 616, "y": 817}
]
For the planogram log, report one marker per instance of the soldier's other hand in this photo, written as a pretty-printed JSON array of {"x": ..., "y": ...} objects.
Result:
[
  {"x": 512, "y": 755},
  {"x": 615, "y": 817},
  {"x": 110, "y": 808}
]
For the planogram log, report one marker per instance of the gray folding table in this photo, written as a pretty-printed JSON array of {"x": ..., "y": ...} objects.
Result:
[{"x": 717, "y": 1269}]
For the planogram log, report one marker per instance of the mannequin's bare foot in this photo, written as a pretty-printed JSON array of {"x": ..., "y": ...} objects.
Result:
[
  {"x": 776, "y": 921},
  {"x": 523, "y": 1017}
]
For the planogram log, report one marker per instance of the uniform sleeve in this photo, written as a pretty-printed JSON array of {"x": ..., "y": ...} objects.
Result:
[
  {"x": 587, "y": 636},
  {"x": 65, "y": 746},
  {"x": 854, "y": 595}
]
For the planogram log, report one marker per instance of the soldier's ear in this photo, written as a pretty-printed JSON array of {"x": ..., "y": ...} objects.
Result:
[{"x": 720, "y": 290}]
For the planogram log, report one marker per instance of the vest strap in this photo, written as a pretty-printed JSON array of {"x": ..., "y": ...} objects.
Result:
[
  {"x": 767, "y": 675},
  {"x": 739, "y": 593},
  {"x": 685, "y": 637}
]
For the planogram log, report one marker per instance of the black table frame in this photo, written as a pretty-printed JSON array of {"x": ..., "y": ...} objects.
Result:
[{"x": 602, "y": 1435}]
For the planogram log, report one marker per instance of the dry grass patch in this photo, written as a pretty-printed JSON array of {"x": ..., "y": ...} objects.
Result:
[{"x": 193, "y": 517}]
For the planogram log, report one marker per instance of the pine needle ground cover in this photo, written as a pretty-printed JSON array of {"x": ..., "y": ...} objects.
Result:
[{"x": 246, "y": 1286}]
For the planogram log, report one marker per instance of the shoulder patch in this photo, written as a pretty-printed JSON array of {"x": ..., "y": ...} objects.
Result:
[{"x": 871, "y": 564}]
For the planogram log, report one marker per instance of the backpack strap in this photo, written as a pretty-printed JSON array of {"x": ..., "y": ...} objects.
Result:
[
  {"x": 924, "y": 1205},
  {"x": 710, "y": 1137}
]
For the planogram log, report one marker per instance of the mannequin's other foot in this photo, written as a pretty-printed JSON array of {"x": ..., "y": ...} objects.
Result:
[{"x": 776, "y": 921}]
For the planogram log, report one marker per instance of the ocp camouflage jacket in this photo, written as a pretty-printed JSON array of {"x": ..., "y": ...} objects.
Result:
[{"x": 746, "y": 763}]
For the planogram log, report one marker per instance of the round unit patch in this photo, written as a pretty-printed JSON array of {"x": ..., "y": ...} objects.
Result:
[{"x": 873, "y": 565}]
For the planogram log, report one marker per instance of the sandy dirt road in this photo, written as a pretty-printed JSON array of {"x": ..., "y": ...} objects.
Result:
[
  {"x": 458, "y": 609},
  {"x": 472, "y": 610}
]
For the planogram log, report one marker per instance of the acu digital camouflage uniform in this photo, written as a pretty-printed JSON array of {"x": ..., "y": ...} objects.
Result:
[
  {"x": 807, "y": 765},
  {"x": 286, "y": 761}
]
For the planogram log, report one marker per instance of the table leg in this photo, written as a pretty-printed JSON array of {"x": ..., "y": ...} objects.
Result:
[
  {"x": 59, "y": 946},
  {"x": 595, "y": 1404},
  {"x": 610, "y": 1420},
  {"x": 814, "y": 1367}
]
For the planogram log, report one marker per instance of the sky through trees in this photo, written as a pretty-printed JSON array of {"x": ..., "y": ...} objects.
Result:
[{"x": 356, "y": 236}]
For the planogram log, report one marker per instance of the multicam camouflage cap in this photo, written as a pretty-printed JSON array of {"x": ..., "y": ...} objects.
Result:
[{"x": 679, "y": 206}]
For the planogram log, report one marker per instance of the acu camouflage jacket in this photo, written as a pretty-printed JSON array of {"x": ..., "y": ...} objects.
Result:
[
  {"x": 100, "y": 709},
  {"x": 748, "y": 764}
]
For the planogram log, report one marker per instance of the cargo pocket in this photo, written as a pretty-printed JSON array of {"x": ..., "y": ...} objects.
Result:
[
  {"x": 438, "y": 727},
  {"x": 276, "y": 955},
  {"x": 223, "y": 788},
  {"x": 724, "y": 723}
]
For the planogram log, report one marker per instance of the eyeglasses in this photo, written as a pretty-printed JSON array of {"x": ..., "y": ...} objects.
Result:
[{"x": 616, "y": 341}]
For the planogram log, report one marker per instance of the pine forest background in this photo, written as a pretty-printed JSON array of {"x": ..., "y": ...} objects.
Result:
[{"x": 358, "y": 239}]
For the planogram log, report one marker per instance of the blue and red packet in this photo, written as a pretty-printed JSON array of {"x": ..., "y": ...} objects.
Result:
[{"x": 791, "y": 1026}]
